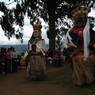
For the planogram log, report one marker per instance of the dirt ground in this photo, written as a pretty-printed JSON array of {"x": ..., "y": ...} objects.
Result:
[{"x": 18, "y": 84}]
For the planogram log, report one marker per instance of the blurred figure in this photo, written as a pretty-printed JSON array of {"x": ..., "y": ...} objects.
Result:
[
  {"x": 57, "y": 57},
  {"x": 36, "y": 68}
]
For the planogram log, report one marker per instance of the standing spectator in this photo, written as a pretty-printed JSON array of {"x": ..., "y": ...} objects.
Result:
[
  {"x": 57, "y": 57},
  {"x": 14, "y": 64},
  {"x": 49, "y": 57},
  {"x": 2, "y": 61},
  {"x": 9, "y": 60},
  {"x": 22, "y": 60}
]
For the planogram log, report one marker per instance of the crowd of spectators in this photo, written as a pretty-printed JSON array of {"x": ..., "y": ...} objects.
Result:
[{"x": 10, "y": 60}]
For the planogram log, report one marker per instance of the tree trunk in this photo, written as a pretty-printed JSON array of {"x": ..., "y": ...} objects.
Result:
[{"x": 52, "y": 32}]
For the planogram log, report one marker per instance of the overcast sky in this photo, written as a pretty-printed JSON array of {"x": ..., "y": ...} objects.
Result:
[{"x": 27, "y": 30}]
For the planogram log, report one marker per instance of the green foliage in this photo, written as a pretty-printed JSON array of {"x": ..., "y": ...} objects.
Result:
[{"x": 34, "y": 9}]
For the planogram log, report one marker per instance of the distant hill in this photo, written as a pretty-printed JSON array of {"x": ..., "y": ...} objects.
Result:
[{"x": 19, "y": 48}]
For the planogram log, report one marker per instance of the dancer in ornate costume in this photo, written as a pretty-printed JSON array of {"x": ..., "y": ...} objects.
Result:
[
  {"x": 36, "y": 68},
  {"x": 80, "y": 39}
]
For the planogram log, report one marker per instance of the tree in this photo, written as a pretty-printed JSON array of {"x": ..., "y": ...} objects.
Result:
[{"x": 35, "y": 8}]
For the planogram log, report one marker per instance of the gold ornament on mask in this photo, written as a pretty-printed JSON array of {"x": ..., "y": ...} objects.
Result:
[
  {"x": 80, "y": 10},
  {"x": 37, "y": 26}
]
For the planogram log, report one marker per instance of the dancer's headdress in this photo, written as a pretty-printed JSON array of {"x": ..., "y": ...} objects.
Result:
[
  {"x": 79, "y": 11},
  {"x": 37, "y": 26}
]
